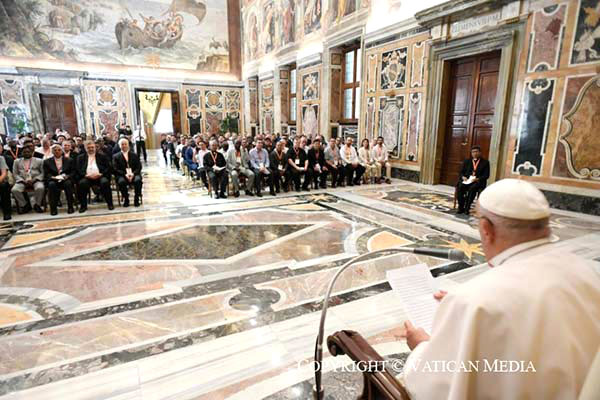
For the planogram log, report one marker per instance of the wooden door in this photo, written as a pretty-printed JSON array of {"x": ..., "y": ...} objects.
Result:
[
  {"x": 59, "y": 112},
  {"x": 175, "y": 110},
  {"x": 472, "y": 98}
]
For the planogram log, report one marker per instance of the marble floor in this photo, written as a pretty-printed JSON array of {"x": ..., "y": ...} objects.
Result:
[{"x": 193, "y": 298}]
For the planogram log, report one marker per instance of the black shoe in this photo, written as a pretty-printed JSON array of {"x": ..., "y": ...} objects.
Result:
[
  {"x": 272, "y": 193},
  {"x": 136, "y": 201},
  {"x": 111, "y": 207},
  {"x": 25, "y": 209},
  {"x": 249, "y": 193},
  {"x": 356, "y": 182},
  {"x": 277, "y": 190},
  {"x": 53, "y": 212},
  {"x": 323, "y": 186},
  {"x": 126, "y": 202},
  {"x": 333, "y": 185},
  {"x": 286, "y": 190},
  {"x": 82, "y": 210},
  {"x": 223, "y": 196},
  {"x": 306, "y": 189},
  {"x": 236, "y": 194},
  {"x": 350, "y": 184},
  {"x": 7, "y": 217},
  {"x": 298, "y": 189},
  {"x": 70, "y": 210},
  {"x": 38, "y": 209},
  {"x": 258, "y": 194}
]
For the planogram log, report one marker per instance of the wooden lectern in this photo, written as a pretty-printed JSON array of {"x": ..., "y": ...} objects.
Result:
[{"x": 377, "y": 385}]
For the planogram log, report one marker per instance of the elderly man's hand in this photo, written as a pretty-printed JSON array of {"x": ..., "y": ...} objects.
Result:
[
  {"x": 414, "y": 336},
  {"x": 439, "y": 295}
]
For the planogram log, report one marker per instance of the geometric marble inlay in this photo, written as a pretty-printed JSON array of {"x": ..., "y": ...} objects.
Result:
[
  {"x": 385, "y": 240},
  {"x": 199, "y": 242},
  {"x": 31, "y": 238}
]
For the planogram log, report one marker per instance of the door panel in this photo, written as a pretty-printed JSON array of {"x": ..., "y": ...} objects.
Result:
[
  {"x": 471, "y": 102},
  {"x": 59, "y": 113}
]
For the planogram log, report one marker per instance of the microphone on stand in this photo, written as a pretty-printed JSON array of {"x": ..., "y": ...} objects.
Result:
[{"x": 450, "y": 254}]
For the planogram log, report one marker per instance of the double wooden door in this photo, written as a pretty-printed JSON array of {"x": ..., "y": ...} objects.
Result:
[
  {"x": 471, "y": 106},
  {"x": 59, "y": 112}
]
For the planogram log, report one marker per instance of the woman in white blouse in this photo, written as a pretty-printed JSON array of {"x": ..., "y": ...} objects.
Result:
[{"x": 372, "y": 170}]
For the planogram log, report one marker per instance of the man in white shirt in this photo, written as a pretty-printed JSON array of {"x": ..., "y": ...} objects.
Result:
[
  {"x": 380, "y": 155},
  {"x": 536, "y": 310},
  {"x": 351, "y": 163},
  {"x": 334, "y": 164},
  {"x": 238, "y": 162},
  {"x": 139, "y": 137}
]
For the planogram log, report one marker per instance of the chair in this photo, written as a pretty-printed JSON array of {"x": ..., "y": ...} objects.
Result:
[{"x": 377, "y": 385}]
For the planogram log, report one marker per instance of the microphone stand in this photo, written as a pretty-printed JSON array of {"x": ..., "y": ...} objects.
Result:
[{"x": 452, "y": 254}]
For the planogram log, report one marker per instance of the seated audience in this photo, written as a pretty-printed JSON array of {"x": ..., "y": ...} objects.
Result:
[
  {"x": 128, "y": 171},
  {"x": 58, "y": 175},
  {"x": 201, "y": 151},
  {"x": 317, "y": 165},
  {"x": 298, "y": 166},
  {"x": 93, "y": 170},
  {"x": 190, "y": 160},
  {"x": 351, "y": 164},
  {"x": 216, "y": 167},
  {"x": 380, "y": 155},
  {"x": 238, "y": 161},
  {"x": 278, "y": 165},
  {"x": 259, "y": 161},
  {"x": 372, "y": 169},
  {"x": 29, "y": 174}
]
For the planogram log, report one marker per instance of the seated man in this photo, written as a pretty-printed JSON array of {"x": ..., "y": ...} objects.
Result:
[
  {"x": 93, "y": 170},
  {"x": 380, "y": 155},
  {"x": 58, "y": 175},
  {"x": 238, "y": 162},
  {"x": 216, "y": 167},
  {"x": 259, "y": 161},
  {"x": 298, "y": 165},
  {"x": 334, "y": 164},
  {"x": 201, "y": 150},
  {"x": 28, "y": 173},
  {"x": 189, "y": 159},
  {"x": 128, "y": 171},
  {"x": 351, "y": 164},
  {"x": 5, "y": 190},
  {"x": 278, "y": 165},
  {"x": 473, "y": 179},
  {"x": 316, "y": 164},
  {"x": 527, "y": 328}
]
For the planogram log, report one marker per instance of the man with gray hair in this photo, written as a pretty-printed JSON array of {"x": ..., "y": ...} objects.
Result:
[
  {"x": 128, "y": 171},
  {"x": 538, "y": 306}
]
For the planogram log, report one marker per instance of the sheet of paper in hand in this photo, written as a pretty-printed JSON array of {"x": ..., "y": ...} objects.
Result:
[{"x": 415, "y": 287}]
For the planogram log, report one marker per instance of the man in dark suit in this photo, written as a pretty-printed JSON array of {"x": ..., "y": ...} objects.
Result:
[
  {"x": 316, "y": 164},
  {"x": 298, "y": 165},
  {"x": 215, "y": 165},
  {"x": 473, "y": 179},
  {"x": 93, "y": 169},
  {"x": 128, "y": 171},
  {"x": 58, "y": 172},
  {"x": 278, "y": 165}
]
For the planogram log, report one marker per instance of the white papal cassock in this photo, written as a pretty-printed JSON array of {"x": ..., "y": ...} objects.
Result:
[{"x": 538, "y": 305}]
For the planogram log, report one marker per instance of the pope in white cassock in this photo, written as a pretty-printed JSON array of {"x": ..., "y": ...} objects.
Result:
[{"x": 536, "y": 306}]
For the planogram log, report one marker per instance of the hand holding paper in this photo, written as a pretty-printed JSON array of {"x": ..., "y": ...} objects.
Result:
[{"x": 415, "y": 287}]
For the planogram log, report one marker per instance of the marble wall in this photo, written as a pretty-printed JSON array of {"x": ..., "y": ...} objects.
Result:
[
  {"x": 309, "y": 92},
  {"x": 394, "y": 96},
  {"x": 107, "y": 106},
  {"x": 554, "y": 136},
  {"x": 13, "y": 105},
  {"x": 267, "y": 93},
  {"x": 205, "y": 107}
]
